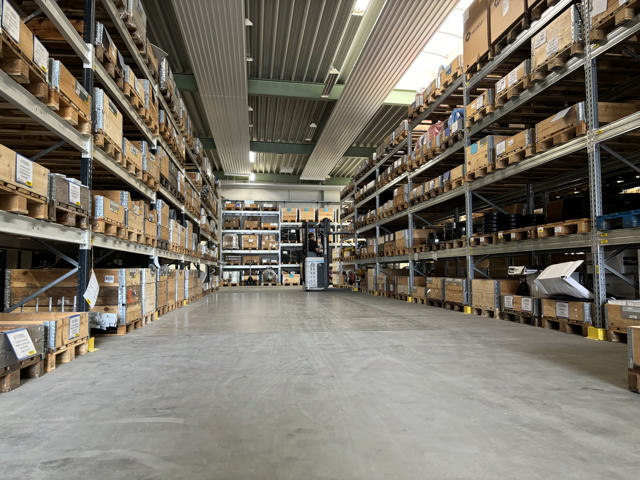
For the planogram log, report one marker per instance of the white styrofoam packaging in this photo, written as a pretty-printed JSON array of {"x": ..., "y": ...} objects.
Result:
[{"x": 560, "y": 279}]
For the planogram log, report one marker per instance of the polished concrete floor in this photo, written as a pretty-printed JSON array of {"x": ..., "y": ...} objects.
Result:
[{"x": 276, "y": 383}]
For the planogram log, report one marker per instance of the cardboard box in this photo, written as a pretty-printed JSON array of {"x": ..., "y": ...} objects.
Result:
[
  {"x": 19, "y": 171},
  {"x": 307, "y": 214},
  {"x": 62, "y": 81},
  {"x": 517, "y": 142},
  {"x": 482, "y": 153},
  {"x": 568, "y": 117},
  {"x": 504, "y": 14},
  {"x": 250, "y": 242},
  {"x": 135, "y": 216},
  {"x": 521, "y": 304},
  {"x": 456, "y": 173},
  {"x": 454, "y": 69},
  {"x": 486, "y": 294},
  {"x": 574, "y": 311},
  {"x": 622, "y": 314},
  {"x": 121, "y": 196},
  {"x": 132, "y": 153},
  {"x": 512, "y": 78},
  {"x": 107, "y": 119},
  {"x": 107, "y": 209},
  {"x": 68, "y": 191},
  {"x": 325, "y": 213},
  {"x": 476, "y": 32},
  {"x": 483, "y": 100},
  {"x": 289, "y": 214},
  {"x": 557, "y": 36}
]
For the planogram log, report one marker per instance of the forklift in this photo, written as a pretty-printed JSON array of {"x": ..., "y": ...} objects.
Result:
[{"x": 316, "y": 265}]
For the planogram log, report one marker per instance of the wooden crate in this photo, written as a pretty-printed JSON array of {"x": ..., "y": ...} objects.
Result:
[
  {"x": 107, "y": 125},
  {"x": 620, "y": 316},
  {"x": 454, "y": 289},
  {"x": 307, "y": 214},
  {"x": 135, "y": 216},
  {"x": 24, "y": 185},
  {"x": 569, "y": 310},
  {"x": 520, "y": 304},
  {"x": 486, "y": 294},
  {"x": 61, "y": 328},
  {"x": 555, "y": 40},
  {"x": 107, "y": 216},
  {"x": 289, "y": 214},
  {"x": 68, "y": 97},
  {"x": 132, "y": 158}
]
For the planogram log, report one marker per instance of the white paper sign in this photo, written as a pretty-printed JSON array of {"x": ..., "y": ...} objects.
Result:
[
  {"x": 40, "y": 55},
  {"x": 479, "y": 102},
  {"x": 24, "y": 170},
  {"x": 505, "y": 7},
  {"x": 11, "y": 20},
  {"x": 454, "y": 127},
  {"x": 501, "y": 85},
  {"x": 74, "y": 194},
  {"x": 501, "y": 147},
  {"x": 527, "y": 304},
  {"x": 21, "y": 343},
  {"x": 560, "y": 114},
  {"x": 513, "y": 77},
  {"x": 562, "y": 310},
  {"x": 540, "y": 39},
  {"x": 508, "y": 301},
  {"x": 552, "y": 47},
  {"x": 93, "y": 289},
  {"x": 74, "y": 327},
  {"x": 598, "y": 7}
]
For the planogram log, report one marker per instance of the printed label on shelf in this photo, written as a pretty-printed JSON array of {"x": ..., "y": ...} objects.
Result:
[
  {"x": 560, "y": 114},
  {"x": 513, "y": 77},
  {"x": 479, "y": 102},
  {"x": 540, "y": 229},
  {"x": 562, "y": 309},
  {"x": 599, "y": 6},
  {"x": 40, "y": 55},
  {"x": 92, "y": 291},
  {"x": 500, "y": 235},
  {"x": 109, "y": 279},
  {"x": 540, "y": 39},
  {"x": 505, "y": 7},
  {"x": 24, "y": 170},
  {"x": 527, "y": 304},
  {"x": 508, "y": 301},
  {"x": 501, "y": 147},
  {"x": 11, "y": 21},
  {"x": 74, "y": 327},
  {"x": 501, "y": 85},
  {"x": 552, "y": 47},
  {"x": 74, "y": 194},
  {"x": 21, "y": 343}
]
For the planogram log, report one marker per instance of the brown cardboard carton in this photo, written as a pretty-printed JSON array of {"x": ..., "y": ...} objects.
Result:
[
  {"x": 504, "y": 14},
  {"x": 307, "y": 214},
  {"x": 487, "y": 293},
  {"x": 568, "y": 117},
  {"x": 519, "y": 141},
  {"x": 20, "y": 172},
  {"x": 482, "y": 153},
  {"x": 289, "y": 214},
  {"x": 476, "y": 32},
  {"x": 557, "y": 36},
  {"x": 622, "y": 314},
  {"x": 574, "y": 311}
]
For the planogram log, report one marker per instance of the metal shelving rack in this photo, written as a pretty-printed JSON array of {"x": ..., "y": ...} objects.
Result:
[
  {"x": 12, "y": 225},
  {"x": 463, "y": 198}
]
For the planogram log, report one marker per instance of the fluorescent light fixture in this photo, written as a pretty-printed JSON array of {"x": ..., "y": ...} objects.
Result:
[
  {"x": 252, "y": 157},
  {"x": 331, "y": 80},
  {"x": 252, "y": 177},
  {"x": 311, "y": 132},
  {"x": 359, "y": 7}
]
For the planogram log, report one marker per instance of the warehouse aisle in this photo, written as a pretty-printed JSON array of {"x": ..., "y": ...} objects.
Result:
[{"x": 276, "y": 383}]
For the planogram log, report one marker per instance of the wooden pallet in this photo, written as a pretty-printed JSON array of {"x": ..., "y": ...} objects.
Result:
[
  {"x": 480, "y": 114},
  {"x": 456, "y": 307},
  {"x": 132, "y": 168},
  {"x": 513, "y": 91},
  {"x": 163, "y": 244},
  {"x": 20, "y": 200},
  {"x": 112, "y": 69},
  {"x": 524, "y": 318},
  {"x": 504, "y": 160},
  {"x": 132, "y": 96},
  {"x": 617, "y": 335},
  {"x": 628, "y": 219},
  {"x": 119, "y": 330},
  {"x": 10, "y": 377},
  {"x": 561, "y": 137},
  {"x": 169, "y": 186},
  {"x": 452, "y": 184},
  {"x": 108, "y": 146},
  {"x": 517, "y": 234},
  {"x": 481, "y": 61},
  {"x": 486, "y": 312},
  {"x": 434, "y": 303},
  {"x": 483, "y": 239},
  {"x": 536, "y": 10},
  {"x": 633, "y": 376},
  {"x": 65, "y": 354},
  {"x": 478, "y": 173},
  {"x": 269, "y": 284},
  {"x": 568, "y": 227},
  {"x": 511, "y": 34},
  {"x": 110, "y": 228},
  {"x": 564, "y": 325},
  {"x": 69, "y": 111},
  {"x": 150, "y": 240},
  {"x": 18, "y": 66},
  {"x": 624, "y": 14},
  {"x": 150, "y": 181},
  {"x": 555, "y": 62},
  {"x": 68, "y": 215},
  {"x": 148, "y": 318},
  {"x": 135, "y": 237}
]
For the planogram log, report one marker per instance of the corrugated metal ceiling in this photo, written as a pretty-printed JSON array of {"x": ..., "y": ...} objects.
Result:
[
  {"x": 386, "y": 119},
  {"x": 299, "y": 40},
  {"x": 347, "y": 167},
  {"x": 278, "y": 163},
  {"x": 403, "y": 26}
]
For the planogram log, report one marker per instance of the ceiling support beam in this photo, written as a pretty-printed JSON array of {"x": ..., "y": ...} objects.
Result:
[
  {"x": 292, "y": 148},
  {"x": 284, "y": 179},
  {"x": 277, "y": 88}
]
